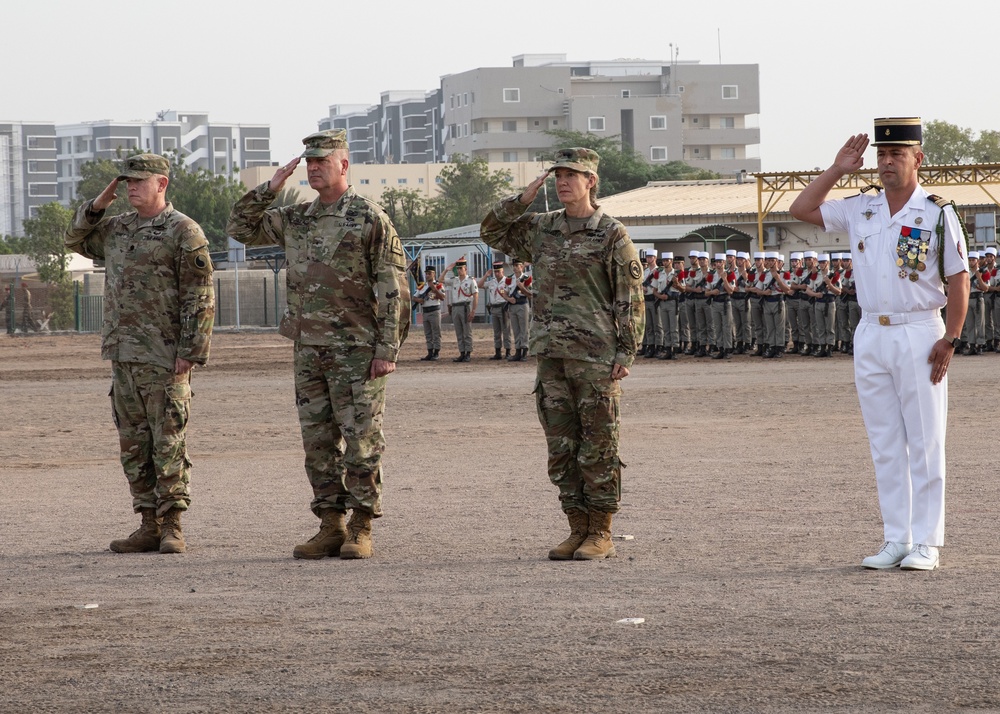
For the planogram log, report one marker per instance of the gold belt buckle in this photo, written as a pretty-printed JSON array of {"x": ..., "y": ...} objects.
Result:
[{"x": 884, "y": 320}]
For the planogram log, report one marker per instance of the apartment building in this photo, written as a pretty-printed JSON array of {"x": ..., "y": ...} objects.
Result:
[
  {"x": 220, "y": 148},
  {"x": 704, "y": 115},
  {"x": 403, "y": 128},
  {"x": 27, "y": 172}
]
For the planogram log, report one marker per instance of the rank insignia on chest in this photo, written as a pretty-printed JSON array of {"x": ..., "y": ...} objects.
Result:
[{"x": 868, "y": 214}]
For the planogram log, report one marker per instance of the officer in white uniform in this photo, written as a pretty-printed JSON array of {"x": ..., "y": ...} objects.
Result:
[{"x": 902, "y": 348}]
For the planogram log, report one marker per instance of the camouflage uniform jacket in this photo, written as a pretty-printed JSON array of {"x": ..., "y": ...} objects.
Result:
[
  {"x": 589, "y": 299},
  {"x": 346, "y": 270},
  {"x": 159, "y": 303}
]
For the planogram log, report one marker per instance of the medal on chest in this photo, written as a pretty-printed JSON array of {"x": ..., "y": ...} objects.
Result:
[{"x": 911, "y": 249}]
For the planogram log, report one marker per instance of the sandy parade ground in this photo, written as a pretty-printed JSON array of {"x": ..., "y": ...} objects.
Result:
[{"x": 749, "y": 496}]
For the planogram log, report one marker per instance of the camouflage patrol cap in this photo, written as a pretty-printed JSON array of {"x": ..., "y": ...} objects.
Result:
[
  {"x": 578, "y": 159},
  {"x": 142, "y": 166},
  {"x": 324, "y": 143}
]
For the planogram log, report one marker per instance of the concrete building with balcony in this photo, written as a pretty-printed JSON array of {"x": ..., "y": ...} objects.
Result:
[
  {"x": 403, "y": 128},
  {"x": 28, "y": 171},
  {"x": 703, "y": 115},
  {"x": 220, "y": 148}
]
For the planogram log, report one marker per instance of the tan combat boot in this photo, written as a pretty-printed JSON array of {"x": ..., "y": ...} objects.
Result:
[
  {"x": 328, "y": 541},
  {"x": 146, "y": 539},
  {"x": 171, "y": 537},
  {"x": 359, "y": 536},
  {"x": 579, "y": 524},
  {"x": 598, "y": 544}
]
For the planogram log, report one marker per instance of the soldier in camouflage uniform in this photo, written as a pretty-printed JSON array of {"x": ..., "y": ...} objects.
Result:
[
  {"x": 159, "y": 307},
  {"x": 348, "y": 313},
  {"x": 587, "y": 326}
]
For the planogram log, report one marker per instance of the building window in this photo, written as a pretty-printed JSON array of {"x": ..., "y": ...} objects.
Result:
[
  {"x": 465, "y": 99},
  {"x": 420, "y": 180},
  {"x": 382, "y": 181},
  {"x": 465, "y": 129},
  {"x": 113, "y": 143},
  {"x": 168, "y": 143},
  {"x": 451, "y": 101},
  {"x": 437, "y": 179},
  {"x": 680, "y": 89},
  {"x": 658, "y": 153},
  {"x": 220, "y": 144},
  {"x": 511, "y": 94},
  {"x": 626, "y": 93},
  {"x": 595, "y": 124},
  {"x": 257, "y": 144},
  {"x": 41, "y": 142},
  {"x": 305, "y": 182},
  {"x": 728, "y": 152},
  {"x": 555, "y": 122},
  {"x": 694, "y": 120},
  {"x": 473, "y": 97},
  {"x": 727, "y": 122},
  {"x": 41, "y": 167},
  {"x": 363, "y": 182},
  {"x": 730, "y": 91},
  {"x": 658, "y": 123},
  {"x": 401, "y": 181},
  {"x": 510, "y": 156},
  {"x": 42, "y": 189},
  {"x": 510, "y": 126},
  {"x": 451, "y": 131}
]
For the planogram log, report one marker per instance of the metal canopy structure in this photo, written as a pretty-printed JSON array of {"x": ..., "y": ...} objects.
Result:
[
  {"x": 771, "y": 188},
  {"x": 717, "y": 234}
]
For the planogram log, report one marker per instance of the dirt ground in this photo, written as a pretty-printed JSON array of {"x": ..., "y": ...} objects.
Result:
[{"x": 749, "y": 492}]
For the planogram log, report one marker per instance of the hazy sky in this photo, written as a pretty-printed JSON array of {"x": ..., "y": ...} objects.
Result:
[{"x": 825, "y": 70}]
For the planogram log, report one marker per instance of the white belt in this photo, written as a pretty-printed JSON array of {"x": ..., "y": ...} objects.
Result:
[{"x": 901, "y": 318}]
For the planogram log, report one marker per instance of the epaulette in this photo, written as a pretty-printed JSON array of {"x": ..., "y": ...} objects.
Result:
[{"x": 940, "y": 202}]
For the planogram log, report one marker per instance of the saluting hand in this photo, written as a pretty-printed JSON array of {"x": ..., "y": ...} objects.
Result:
[
  {"x": 851, "y": 156},
  {"x": 532, "y": 189},
  {"x": 106, "y": 198},
  {"x": 282, "y": 174}
]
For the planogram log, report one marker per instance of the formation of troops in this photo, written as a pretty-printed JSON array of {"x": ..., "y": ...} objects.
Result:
[
  {"x": 707, "y": 305},
  {"x": 734, "y": 303}
]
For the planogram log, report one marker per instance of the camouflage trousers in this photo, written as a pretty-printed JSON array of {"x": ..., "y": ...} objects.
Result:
[
  {"x": 340, "y": 415},
  {"x": 578, "y": 407},
  {"x": 151, "y": 405}
]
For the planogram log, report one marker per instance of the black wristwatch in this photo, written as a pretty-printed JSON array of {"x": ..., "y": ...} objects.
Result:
[{"x": 954, "y": 341}]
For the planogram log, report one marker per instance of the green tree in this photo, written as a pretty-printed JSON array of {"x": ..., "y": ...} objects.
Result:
[
  {"x": 407, "y": 209},
  {"x": 945, "y": 143},
  {"x": 468, "y": 190},
  {"x": 45, "y": 242},
  {"x": 987, "y": 150},
  {"x": 13, "y": 245}
]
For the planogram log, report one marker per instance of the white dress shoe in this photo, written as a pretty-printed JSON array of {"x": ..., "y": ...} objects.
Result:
[
  {"x": 922, "y": 557},
  {"x": 889, "y": 556}
]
